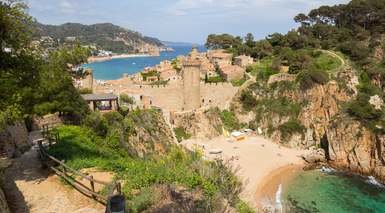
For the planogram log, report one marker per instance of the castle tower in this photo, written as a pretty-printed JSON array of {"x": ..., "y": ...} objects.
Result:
[{"x": 191, "y": 81}]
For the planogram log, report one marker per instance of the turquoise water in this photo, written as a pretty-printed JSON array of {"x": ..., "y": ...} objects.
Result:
[
  {"x": 115, "y": 68},
  {"x": 315, "y": 191}
]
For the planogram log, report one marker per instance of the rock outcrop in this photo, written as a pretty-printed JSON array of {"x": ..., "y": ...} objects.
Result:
[
  {"x": 200, "y": 124},
  {"x": 347, "y": 144},
  {"x": 4, "y": 208},
  {"x": 150, "y": 134},
  {"x": 14, "y": 140},
  {"x": 351, "y": 146}
]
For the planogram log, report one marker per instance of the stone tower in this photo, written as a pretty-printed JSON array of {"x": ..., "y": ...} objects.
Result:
[{"x": 191, "y": 81}]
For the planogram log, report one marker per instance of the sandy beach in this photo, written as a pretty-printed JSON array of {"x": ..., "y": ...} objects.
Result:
[
  {"x": 106, "y": 58},
  {"x": 260, "y": 162}
]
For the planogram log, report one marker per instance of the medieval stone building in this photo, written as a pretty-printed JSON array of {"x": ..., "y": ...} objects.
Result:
[{"x": 191, "y": 81}]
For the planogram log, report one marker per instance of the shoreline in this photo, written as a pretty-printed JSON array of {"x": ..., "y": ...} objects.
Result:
[
  {"x": 93, "y": 59},
  {"x": 266, "y": 191},
  {"x": 258, "y": 160}
]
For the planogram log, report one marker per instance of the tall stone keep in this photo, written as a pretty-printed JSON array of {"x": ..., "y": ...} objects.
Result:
[{"x": 191, "y": 81}]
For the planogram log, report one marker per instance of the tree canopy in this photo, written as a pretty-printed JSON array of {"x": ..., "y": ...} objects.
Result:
[{"x": 29, "y": 83}]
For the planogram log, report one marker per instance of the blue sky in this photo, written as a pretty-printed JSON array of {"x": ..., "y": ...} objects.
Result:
[{"x": 180, "y": 20}]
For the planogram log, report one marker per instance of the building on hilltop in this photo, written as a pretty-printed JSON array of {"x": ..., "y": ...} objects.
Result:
[
  {"x": 191, "y": 81},
  {"x": 102, "y": 102},
  {"x": 231, "y": 72},
  {"x": 243, "y": 61},
  {"x": 220, "y": 57}
]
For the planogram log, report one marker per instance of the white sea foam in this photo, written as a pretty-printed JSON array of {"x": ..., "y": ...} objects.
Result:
[
  {"x": 327, "y": 170},
  {"x": 278, "y": 202},
  {"x": 373, "y": 181}
]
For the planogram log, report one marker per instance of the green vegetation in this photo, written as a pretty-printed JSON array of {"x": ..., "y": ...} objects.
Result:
[
  {"x": 85, "y": 91},
  {"x": 262, "y": 69},
  {"x": 248, "y": 101},
  {"x": 327, "y": 62},
  {"x": 101, "y": 35},
  {"x": 81, "y": 148},
  {"x": 215, "y": 79},
  {"x": 29, "y": 83},
  {"x": 181, "y": 134},
  {"x": 242, "y": 207},
  {"x": 308, "y": 78},
  {"x": 151, "y": 73},
  {"x": 125, "y": 99},
  {"x": 229, "y": 120},
  {"x": 240, "y": 82},
  {"x": 289, "y": 128},
  {"x": 281, "y": 106},
  {"x": 160, "y": 83}
]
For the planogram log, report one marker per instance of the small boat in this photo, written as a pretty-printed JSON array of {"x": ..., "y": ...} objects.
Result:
[{"x": 133, "y": 63}]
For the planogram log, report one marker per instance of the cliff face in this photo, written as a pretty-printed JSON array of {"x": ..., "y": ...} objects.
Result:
[
  {"x": 149, "y": 134},
  {"x": 322, "y": 122},
  {"x": 354, "y": 147},
  {"x": 204, "y": 124}
]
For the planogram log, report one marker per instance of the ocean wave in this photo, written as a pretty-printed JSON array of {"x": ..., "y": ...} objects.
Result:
[
  {"x": 373, "y": 181},
  {"x": 327, "y": 169},
  {"x": 278, "y": 200}
]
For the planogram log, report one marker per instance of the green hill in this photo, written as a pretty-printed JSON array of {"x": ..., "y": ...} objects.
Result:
[{"x": 104, "y": 36}]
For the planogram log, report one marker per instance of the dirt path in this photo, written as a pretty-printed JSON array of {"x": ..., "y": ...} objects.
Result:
[{"x": 29, "y": 188}]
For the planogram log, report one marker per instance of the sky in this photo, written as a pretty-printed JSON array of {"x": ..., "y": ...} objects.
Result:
[{"x": 180, "y": 20}]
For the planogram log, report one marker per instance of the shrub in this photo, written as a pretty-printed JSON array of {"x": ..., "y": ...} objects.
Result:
[
  {"x": 229, "y": 120},
  {"x": 309, "y": 78},
  {"x": 242, "y": 207},
  {"x": 81, "y": 148},
  {"x": 248, "y": 101},
  {"x": 289, "y": 128},
  {"x": 96, "y": 122},
  {"x": 181, "y": 134},
  {"x": 85, "y": 91},
  {"x": 126, "y": 99}
]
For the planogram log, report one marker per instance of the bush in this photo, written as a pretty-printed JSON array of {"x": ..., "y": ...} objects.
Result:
[
  {"x": 181, "y": 134},
  {"x": 126, "y": 99},
  {"x": 96, "y": 122},
  {"x": 81, "y": 148},
  {"x": 229, "y": 120},
  {"x": 242, "y": 207},
  {"x": 85, "y": 91},
  {"x": 308, "y": 79},
  {"x": 289, "y": 128},
  {"x": 248, "y": 101}
]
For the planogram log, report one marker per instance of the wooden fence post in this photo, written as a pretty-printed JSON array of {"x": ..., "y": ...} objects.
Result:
[
  {"x": 92, "y": 185},
  {"x": 64, "y": 168},
  {"x": 119, "y": 188}
]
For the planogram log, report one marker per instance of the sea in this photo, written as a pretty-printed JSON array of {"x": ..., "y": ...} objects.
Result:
[
  {"x": 328, "y": 190},
  {"x": 115, "y": 68}
]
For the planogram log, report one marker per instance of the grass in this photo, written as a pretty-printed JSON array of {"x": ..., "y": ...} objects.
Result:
[
  {"x": 181, "y": 134},
  {"x": 238, "y": 83},
  {"x": 327, "y": 62},
  {"x": 81, "y": 148},
  {"x": 262, "y": 69}
]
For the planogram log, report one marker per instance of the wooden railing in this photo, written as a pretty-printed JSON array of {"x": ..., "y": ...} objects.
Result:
[{"x": 71, "y": 175}]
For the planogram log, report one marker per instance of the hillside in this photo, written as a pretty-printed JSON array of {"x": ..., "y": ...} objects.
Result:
[
  {"x": 320, "y": 86},
  {"x": 105, "y": 36}
]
